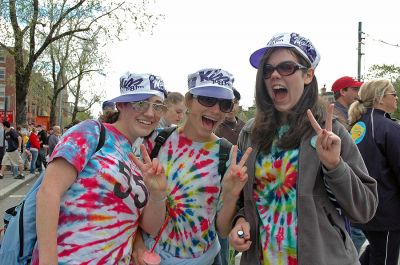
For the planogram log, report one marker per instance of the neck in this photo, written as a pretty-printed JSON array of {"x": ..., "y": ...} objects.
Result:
[
  {"x": 123, "y": 128},
  {"x": 190, "y": 132},
  {"x": 342, "y": 102}
]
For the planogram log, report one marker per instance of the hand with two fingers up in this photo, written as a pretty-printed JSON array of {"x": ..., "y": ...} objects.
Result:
[
  {"x": 153, "y": 175},
  {"x": 236, "y": 175},
  {"x": 328, "y": 144}
]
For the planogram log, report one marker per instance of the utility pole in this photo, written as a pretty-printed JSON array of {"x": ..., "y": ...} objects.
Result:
[{"x": 360, "y": 38}]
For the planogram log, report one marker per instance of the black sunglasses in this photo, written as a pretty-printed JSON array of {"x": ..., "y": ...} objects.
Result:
[
  {"x": 225, "y": 105},
  {"x": 284, "y": 68}
]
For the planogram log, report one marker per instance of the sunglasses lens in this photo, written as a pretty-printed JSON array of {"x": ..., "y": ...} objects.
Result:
[
  {"x": 286, "y": 68},
  {"x": 140, "y": 106},
  {"x": 207, "y": 101},
  {"x": 225, "y": 105},
  {"x": 159, "y": 108},
  {"x": 268, "y": 70}
]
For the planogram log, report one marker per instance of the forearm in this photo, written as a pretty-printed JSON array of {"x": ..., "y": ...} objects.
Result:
[
  {"x": 47, "y": 214},
  {"x": 226, "y": 214},
  {"x": 154, "y": 214}
]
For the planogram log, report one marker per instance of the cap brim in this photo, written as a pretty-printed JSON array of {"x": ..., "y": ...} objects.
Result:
[
  {"x": 256, "y": 56},
  {"x": 132, "y": 97},
  {"x": 213, "y": 91}
]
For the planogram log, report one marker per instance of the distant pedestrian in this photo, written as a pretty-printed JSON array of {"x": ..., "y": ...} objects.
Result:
[
  {"x": 42, "y": 134},
  {"x": 34, "y": 147},
  {"x": 12, "y": 155},
  {"x": 53, "y": 139},
  {"x": 345, "y": 91},
  {"x": 378, "y": 139}
]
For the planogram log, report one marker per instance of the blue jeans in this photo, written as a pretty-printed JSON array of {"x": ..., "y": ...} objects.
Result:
[
  {"x": 358, "y": 238},
  {"x": 33, "y": 160}
]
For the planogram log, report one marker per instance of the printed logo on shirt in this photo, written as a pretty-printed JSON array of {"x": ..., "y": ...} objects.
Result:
[{"x": 358, "y": 132}]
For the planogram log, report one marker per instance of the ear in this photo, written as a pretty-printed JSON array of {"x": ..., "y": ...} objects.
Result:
[
  {"x": 188, "y": 102},
  {"x": 309, "y": 76}
]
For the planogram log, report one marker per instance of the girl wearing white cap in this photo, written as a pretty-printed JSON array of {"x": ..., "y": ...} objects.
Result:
[
  {"x": 199, "y": 203},
  {"x": 306, "y": 176},
  {"x": 92, "y": 200}
]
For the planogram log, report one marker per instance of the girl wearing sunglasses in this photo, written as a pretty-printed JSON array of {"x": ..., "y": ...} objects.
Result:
[
  {"x": 92, "y": 200},
  {"x": 200, "y": 202},
  {"x": 305, "y": 172},
  {"x": 377, "y": 137}
]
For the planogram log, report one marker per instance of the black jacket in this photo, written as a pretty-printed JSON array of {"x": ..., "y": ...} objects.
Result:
[{"x": 379, "y": 145}]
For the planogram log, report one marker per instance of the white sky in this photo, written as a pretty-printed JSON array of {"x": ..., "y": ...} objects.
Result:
[{"x": 223, "y": 33}]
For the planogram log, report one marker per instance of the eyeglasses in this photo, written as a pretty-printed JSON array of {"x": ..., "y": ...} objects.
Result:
[
  {"x": 392, "y": 93},
  {"x": 284, "y": 68},
  {"x": 143, "y": 106},
  {"x": 225, "y": 105}
]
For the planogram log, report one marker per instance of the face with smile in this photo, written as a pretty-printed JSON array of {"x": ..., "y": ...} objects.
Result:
[
  {"x": 285, "y": 91},
  {"x": 139, "y": 119},
  {"x": 201, "y": 120}
]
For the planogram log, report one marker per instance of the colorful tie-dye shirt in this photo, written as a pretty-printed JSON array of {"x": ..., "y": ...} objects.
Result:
[
  {"x": 194, "y": 187},
  {"x": 275, "y": 197},
  {"x": 99, "y": 213}
]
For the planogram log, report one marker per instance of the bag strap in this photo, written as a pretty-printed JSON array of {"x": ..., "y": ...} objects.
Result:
[
  {"x": 224, "y": 151},
  {"x": 102, "y": 137},
  {"x": 160, "y": 140}
]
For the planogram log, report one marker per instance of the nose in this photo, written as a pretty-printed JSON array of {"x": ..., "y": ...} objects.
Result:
[{"x": 150, "y": 111}]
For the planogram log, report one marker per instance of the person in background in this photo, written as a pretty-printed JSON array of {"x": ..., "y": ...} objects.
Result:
[
  {"x": 176, "y": 110},
  {"x": 12, "y": 156},
  {"x": 2, "y": 144},
  {"x": 34, "y": 147},
  {"x": 200, "y": 202},
  {"x": 41, "y": 160},
  {"x": 53, "y": 139},
  {"x": 378, "y": 139},
  {"x": 91, "y": 203},
  {"x": 345, "y": 92},
  {"x": 231, "y": 126},
  {"x": 305, "y": 171}
]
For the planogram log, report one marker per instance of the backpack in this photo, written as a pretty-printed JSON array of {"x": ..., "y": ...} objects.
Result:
[
  {"x": 20, "y": 224},
  {"x": 224, "y": 148}
]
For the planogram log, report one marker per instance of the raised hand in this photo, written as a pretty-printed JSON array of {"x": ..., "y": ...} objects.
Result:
[
  {"x": 236, "y": 176},
  {"x": 328, "y": 144},
  {"x": 153, "y": 173}
]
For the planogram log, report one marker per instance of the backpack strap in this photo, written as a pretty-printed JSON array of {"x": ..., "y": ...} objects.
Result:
[
  {"x": 160, "y": 140},
  {"x": 102, "y": 137},
  {"x": 224, "y": 150}
]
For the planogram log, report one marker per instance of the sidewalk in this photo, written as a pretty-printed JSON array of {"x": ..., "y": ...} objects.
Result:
[{"x": 8, "y": 184}]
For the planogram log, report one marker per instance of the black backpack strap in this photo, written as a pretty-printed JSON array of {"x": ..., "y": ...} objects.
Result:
[
  {"x": 160, "y": 140},
  {"x": 102, "y": 137},
  {"x": 21, "y": 230},
  {"x": 224, "y": 150}
]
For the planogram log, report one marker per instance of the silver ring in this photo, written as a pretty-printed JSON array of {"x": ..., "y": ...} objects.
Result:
[{"x": 240, "y": 233}]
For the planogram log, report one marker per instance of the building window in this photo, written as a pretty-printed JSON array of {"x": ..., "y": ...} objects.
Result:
[
  {"x": 2, "y": 73},
  {"x": 2, "y": 96},
  {"x": 2, "y": 57}
]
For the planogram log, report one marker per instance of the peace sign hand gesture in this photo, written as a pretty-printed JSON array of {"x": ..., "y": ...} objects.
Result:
[
  {"x": 153, "y": 173},
  {"x": 328, "y": 144},
  {"x": 236, "y": 176}
]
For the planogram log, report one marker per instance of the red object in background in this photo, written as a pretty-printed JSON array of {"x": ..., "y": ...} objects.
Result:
[
  {"x": 9, "y": 117},
  {"x": 43, "y": 120}
]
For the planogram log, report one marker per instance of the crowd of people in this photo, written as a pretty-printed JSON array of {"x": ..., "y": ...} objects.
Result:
[
  {"x": 305, "y": 181},
  {"x": 26, "y": 148}
]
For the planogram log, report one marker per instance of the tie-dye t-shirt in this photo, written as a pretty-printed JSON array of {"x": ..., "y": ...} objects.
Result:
[
  {"x": 275, "y": 197},
  {"x": 99, "y": 213},
  {"x": 194, "y": 187}
]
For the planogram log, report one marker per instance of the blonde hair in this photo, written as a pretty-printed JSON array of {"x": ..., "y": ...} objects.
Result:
[{"x": 370, "y": 93}]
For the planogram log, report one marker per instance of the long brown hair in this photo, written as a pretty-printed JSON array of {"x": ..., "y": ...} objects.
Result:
[{"x": 268, "y": 118}]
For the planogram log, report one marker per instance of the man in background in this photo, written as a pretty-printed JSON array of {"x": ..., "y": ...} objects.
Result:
[
  {"x": 53, "y": 139},
  {"x": 345, "y": 91}
]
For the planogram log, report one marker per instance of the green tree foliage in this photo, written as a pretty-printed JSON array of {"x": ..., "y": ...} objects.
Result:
[
  {"x": 390, "y": 72},
  {"x": 28, "y": 27}
]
